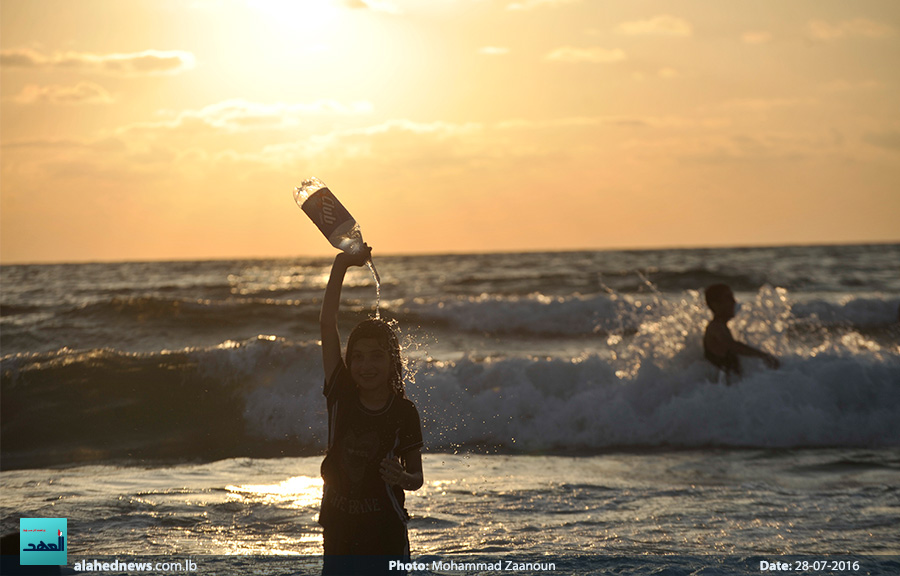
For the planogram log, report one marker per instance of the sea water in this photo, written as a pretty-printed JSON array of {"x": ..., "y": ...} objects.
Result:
[
  {"x": 174, "y": 409},
  {"x": 644, "y": 509}
]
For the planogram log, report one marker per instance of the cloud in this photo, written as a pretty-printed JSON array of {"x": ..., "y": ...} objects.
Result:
[
  {"x": 594, "y": 55},
  {"x": 82, "y": 93},
  {"x": 716, "y": 147},
  {"x": 888, "y": 139},
  {"x": 663, "y": 25},
  {"x": 396, "y": 141},
  {"x": 241, "y": 113},
  {"x": 763, "y": 104},
  {"x": 132, "y": 64},
  {"x": 858, "y": 27},
  {"x": 848, "y": 86},
  {"x": 44, "y": 144},
  {"x": 532, "y": 4},
  {"x": 494, "y": 50},
  {"x": 668, "y": 73},
  {"x": 564, "y": 122},
  {"x": 238, "y": 115},
  {"x": 374, "y": 5},
  {"x": 756, "y": 37}
]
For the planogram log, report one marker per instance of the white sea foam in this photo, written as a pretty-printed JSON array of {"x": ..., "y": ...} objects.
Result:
[
  {"x": 552, "y": 405},
  {"x": 585, "y": 404}
]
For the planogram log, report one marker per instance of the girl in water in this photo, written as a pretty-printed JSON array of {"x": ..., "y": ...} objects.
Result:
[{"x": 374, "y": 440}]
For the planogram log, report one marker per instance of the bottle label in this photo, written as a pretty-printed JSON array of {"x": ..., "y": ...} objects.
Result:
[{"x": 325, "y": 211}]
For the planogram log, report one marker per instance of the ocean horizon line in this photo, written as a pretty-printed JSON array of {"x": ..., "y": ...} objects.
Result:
[{"x": 439, "y": 254}]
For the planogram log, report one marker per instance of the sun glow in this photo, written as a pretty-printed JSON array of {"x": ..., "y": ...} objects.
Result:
[
  {"x": 298, "y": 17},
  {"x": 438, "y": 114}
]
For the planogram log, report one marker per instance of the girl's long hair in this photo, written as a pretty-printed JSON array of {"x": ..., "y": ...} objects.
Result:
[{"x": 385, "y": 335}]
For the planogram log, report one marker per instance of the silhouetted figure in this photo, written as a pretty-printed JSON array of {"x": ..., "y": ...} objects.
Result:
[
  {"x": 374, "y": 440},
  {"x": 719, "y": 346}
]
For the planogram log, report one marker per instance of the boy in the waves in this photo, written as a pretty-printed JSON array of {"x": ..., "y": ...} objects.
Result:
[
  {"x": 374, "y": 440},
  {"x": 719, "y": 346}
]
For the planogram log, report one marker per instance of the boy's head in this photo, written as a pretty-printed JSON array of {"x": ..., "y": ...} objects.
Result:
[
  {"x": 720, "y": 300},
  {"x": 375, "y": 348}
]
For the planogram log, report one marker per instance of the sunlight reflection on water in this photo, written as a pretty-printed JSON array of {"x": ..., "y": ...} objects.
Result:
[{"x": 297, "y": 492}]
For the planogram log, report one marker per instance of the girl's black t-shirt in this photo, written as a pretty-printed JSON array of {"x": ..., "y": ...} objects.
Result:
[{"x": 358, "y": 440}]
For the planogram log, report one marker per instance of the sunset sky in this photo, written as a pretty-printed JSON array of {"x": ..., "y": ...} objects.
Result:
[{"x": 176, "y": 129}]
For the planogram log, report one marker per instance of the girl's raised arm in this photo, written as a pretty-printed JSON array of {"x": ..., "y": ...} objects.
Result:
[{"x": 331, "y": 302}]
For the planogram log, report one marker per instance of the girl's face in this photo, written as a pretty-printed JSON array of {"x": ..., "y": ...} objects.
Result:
[{"x": 370, "y": 364}]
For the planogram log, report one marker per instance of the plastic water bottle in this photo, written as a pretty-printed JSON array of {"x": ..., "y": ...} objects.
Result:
[
  {"x": 335, "y": 222},
  {"x": 324, "y": 209}
]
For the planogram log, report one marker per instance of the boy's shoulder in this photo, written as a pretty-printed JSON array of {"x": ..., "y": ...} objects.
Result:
[{"x": 717, "y": 327}]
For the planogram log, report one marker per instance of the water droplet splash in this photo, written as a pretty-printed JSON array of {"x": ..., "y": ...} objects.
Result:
[{"x": 377, "y": 277}]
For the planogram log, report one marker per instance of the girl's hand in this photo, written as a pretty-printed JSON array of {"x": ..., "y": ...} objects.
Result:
[
  {"x": 392, "y": 472},
  {"x": 358, "y": 259}
]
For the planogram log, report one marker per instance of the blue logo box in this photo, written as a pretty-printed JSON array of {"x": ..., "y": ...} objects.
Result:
[{"x": 43, "y": 541}]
